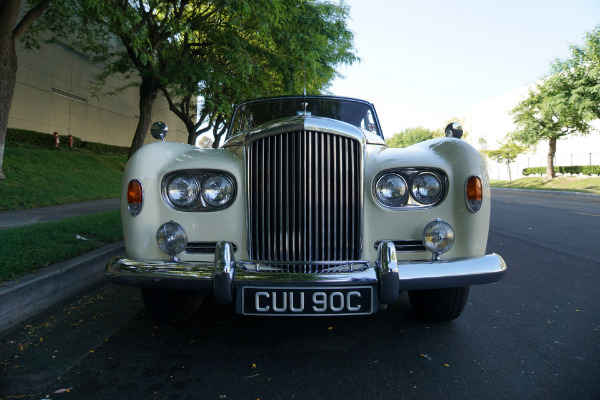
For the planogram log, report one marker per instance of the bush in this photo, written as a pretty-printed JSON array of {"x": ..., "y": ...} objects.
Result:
[
  {"x": 45, "y": 140},
  {"x": 573, "y": 170}
]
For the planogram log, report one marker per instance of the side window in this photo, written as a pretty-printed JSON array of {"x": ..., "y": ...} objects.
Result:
[{"x": 368, "y": 122}]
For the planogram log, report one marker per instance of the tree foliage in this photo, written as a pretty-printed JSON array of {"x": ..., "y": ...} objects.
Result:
[
  {"x": 506, "y": 153},
  {"x": 410, "y": 136},
  {"x": 278, "y": 48},
  {"x": 563, "y": 103},
  {"x": 221, "y": 51}
]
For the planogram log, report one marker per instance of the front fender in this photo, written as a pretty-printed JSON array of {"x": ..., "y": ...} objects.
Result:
[
  {"x": 148, "y": 165},
  {"x": 458, "y": 160}
]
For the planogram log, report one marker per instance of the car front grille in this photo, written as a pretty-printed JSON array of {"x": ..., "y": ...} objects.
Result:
[{"x": 305, "y": 197}]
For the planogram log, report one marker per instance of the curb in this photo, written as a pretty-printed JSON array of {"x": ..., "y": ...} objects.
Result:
[
  {"x": 555, "y": 192},
  {"x": 37, "y": 292}
]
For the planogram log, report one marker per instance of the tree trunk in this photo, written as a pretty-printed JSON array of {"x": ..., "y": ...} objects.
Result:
[
  {"x": 550, "y": 162},
  {"x": 8, "y": 78},
  {"x": 148, "y": 92}
]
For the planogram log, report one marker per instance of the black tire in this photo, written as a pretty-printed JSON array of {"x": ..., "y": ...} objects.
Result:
[
  {"x": 439, "y": 305},
  {"x": 172, "y": 306}
]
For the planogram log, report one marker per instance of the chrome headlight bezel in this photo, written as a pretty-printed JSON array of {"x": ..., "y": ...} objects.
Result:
[
  {"x": 409, "y": 175},
  {"x": 182, "y": 190},
  {"x": 415, "y": 187},
  {"x": 382, "y": 184},
  {"x": 224, "y": 193},
  {"x": 201, "y": 202}
]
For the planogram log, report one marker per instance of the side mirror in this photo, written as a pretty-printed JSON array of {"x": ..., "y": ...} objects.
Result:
[
  {"x": 454, "y": 129},
  {"x": 159, "y": 130}
]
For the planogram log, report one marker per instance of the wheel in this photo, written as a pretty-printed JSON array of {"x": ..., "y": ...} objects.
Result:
[
  {"x": 172, "y": 306},
  {"x": 439, "y": 304}
]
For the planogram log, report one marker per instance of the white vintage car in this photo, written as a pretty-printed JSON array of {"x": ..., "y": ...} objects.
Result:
[{"x": 305, "y": 211}]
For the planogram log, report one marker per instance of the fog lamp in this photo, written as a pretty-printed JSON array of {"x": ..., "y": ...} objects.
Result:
[
  {"x": 171, "y": 238},
  {"x": 438, "y": 237}
]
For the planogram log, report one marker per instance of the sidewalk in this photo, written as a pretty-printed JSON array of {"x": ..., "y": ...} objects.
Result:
[
  {"x": 14, "y": 219},
  {"x": 34, "y": 293}
]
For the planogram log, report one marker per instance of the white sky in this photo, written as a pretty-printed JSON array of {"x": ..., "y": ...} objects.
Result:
[{"x": 425, "y": 61}]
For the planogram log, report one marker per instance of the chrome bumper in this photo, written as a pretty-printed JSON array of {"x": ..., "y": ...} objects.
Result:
[{"x": 389, "y": 276}]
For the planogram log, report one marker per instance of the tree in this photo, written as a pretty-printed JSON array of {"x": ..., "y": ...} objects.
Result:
[
  {"x": 12, "y": 29},
  {"x": 582, "y": 73},
  {"x": 563, "y": 103},
  {"x": 279, "y": 49},
  {"x": 144, "y": 29},
  {"x": 410, "y": 136},
  {"x": 506, "y": 153}
]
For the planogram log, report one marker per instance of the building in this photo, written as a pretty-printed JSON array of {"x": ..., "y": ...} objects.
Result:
[
  {"x": 53, "y": 94},
  {"x": 489, "y": 122}
]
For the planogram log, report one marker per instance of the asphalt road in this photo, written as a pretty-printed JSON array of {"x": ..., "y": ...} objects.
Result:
[{"x": 533, "y": 335}]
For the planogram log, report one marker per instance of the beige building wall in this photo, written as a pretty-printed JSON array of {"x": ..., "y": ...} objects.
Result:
[{"x": 53, "y": 94}]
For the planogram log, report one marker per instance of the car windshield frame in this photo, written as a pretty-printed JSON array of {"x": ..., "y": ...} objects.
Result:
[{"x": 253, "y": 114}]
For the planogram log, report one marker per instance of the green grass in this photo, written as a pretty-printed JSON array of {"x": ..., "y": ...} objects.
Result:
[
  {"x": 31, "y": 247},
  {"x": 37, "y": 177},
  {"x": 566, "y": 183}
]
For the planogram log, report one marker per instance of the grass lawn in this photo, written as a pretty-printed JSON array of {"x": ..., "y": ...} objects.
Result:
[
  {"x": 37, "y": 177},
  {"x": 31, "y": 247},
  {"x": 569, "y": 183}
]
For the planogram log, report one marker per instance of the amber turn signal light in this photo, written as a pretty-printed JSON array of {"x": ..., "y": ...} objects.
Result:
[
  {"x": 135, "y": 197},
  {"x": 474, "y": 193}
]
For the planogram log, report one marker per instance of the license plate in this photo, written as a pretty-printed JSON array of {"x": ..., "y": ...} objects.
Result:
[{"x": 307, "y": 301}]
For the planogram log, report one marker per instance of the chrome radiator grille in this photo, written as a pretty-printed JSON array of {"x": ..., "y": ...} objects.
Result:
[{"x": 305, "y": 197}]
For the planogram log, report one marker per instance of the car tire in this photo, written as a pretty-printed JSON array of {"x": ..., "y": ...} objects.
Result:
[
  {"x": 439, "y": 305},
  {"x": 172, "y": 306}
]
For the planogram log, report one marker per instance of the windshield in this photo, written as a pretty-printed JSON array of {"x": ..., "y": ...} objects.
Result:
[{"x": 253, "y": 114}]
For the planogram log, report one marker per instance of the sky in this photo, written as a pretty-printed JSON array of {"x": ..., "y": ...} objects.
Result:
[{"x": 426, "y": 61}]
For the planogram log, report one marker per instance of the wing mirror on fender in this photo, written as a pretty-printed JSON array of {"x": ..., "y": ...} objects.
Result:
[
  {"x": 454, "y": 129},
  {"x": 159, "y": 130}
]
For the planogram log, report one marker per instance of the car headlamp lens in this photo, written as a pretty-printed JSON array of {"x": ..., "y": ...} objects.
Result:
[
  {"x": 438, "y": 236},
  {"x": 171, "y": 238},
  {"x": 426, "y": 188},
  {"x": 183, "y": 191},
  {"x": 217, "y": 190},
  {"x": 391, "y": 190}
]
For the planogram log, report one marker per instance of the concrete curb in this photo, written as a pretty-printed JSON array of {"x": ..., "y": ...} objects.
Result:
[
  {"x": 36, "y": 292},
  {"x": 554, "y": 192}
]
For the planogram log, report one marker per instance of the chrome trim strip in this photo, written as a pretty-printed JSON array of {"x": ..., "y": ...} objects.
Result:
[{"x": 366, "y": 277}]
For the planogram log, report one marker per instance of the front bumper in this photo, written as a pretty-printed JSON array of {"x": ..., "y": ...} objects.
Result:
[{"x": 389, "y": 276}]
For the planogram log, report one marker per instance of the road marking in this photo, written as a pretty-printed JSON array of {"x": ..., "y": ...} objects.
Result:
[{"x": 593, "y": 215}]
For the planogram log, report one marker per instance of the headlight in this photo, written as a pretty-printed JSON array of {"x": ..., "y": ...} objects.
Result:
[
  {"x": 426, "y": 188},
  {"x": 171, "y": 238},
  {"x": 391, "y": 190},
  {"x": 217, "y": 190},
  {"x": 183, "y": 191},
  {"x": 438, "y": 237}
]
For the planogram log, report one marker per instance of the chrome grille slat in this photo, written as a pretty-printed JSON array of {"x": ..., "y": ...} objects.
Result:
[{"x": 304, "y": 198}]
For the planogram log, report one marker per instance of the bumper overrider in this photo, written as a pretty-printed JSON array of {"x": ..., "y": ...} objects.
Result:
[{"x": 230, "y": 280}]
